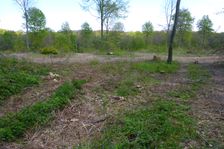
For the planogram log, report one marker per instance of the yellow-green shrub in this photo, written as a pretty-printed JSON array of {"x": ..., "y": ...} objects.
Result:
[{"x": 49, "y": 50}]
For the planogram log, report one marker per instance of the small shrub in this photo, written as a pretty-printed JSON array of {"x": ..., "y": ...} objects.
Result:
[{"x": 49, "y": 50}]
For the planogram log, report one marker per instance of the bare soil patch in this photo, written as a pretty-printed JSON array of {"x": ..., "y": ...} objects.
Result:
[
  {"x": 88, "y": 57},
  {"x": 209, "y": 107}
]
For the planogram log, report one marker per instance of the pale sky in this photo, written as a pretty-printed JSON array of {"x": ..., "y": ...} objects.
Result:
[{"x": 140, "y": 11}]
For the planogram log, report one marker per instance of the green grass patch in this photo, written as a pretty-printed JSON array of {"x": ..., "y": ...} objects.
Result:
[
  {"x": 156, "y": 67},
  {"x": 197, "y": 73},
  {"x": 127, "y": 88},
  {"x": 94, "y": 62},
  {"x": 165, "y": 124},
  {"x": 197, "y": 76},
  {"x": 124, "y": 80},
  {"x": 129, "y": 85},
  {"x": 18, "y": 74},
  {"x": 183, "y": 93},
  {"x": 122, "y": 53},
  {"x": 14, "y": 125}
]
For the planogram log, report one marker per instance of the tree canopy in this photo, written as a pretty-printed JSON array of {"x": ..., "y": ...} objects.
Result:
[
  {"x": 185, "y": 21},
  {"x": 147, "y": 28},
  {"x": 205, "y": 25},
  {"x": 86, "y": 30},
  {"x": 65, "y": 27},
  {"x": 106, "y": 10},
  {"x": 205, "y": 28},
  {"x": 36, "y": 19},
  {"x": 118, "y": 27}
]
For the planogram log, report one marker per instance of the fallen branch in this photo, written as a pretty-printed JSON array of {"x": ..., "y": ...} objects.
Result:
[
  {"x": 210, "y": 145},
  {"x": 100, "y": 120}
]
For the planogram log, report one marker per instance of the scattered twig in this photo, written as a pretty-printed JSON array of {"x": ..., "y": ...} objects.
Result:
[
  {"x": 100, "y": 120},
  {"x": 210, "y": 145}
]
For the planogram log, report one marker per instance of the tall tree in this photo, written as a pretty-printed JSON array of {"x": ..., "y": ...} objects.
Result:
[
  {"x": 85, "y": 38},
  {"x": 118, "y": 27},
  {"x": 170, "y": 50},
  {"x": 24, "y": 6},
  {"x": 65, "y": 27},
  {"x": 184, "y": 25},
  {"x": 205, "y": 28},
  {"x": 106, "y": 10},
  {"x": 147, "y": 28},
  {"x": 36, "y": 19},
  {"x": 169, "y": 9},
  {"x": 86, "y": 30}
]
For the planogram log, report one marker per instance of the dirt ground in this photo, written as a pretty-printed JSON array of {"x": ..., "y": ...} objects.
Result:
[
  {"x": 88, "y": 57},
  {"x": 86, "y": 115}
]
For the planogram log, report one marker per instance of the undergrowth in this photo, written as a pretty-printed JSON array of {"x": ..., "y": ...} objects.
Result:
[
  {"x": 15, "y": 75},
  {"x": 129, "y": 77},
  {"x": 165, "y": 124},
  {"x": 14, "y": 125},
  {"x": 156, "y": 67},
  {"x": 197, "y": 77}
]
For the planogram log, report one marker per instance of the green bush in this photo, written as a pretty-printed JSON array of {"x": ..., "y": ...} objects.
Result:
[{"x": 49, "y": 50}]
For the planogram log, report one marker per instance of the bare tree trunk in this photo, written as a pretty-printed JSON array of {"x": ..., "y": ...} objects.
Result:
[
  {"x": 24, "y": 6},
  {"x": 101, "y": 31},
  {"x": 170, "y": 50},
  {"x": 102, "y": 17},
  {"x": 169, "y": 9},
  {"x": 107, "y": 26}
]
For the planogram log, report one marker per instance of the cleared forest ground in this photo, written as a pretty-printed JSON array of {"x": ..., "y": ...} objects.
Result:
[{"x": 116, "y": 89}]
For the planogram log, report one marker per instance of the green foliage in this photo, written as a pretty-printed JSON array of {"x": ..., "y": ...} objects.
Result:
[
  {"x": 14, "y": 125},
  {"x": 49, "y": 50},
  {"x": 156, "y": 67},
  {"x": 165, "y": 124},
  {"x": 185, "y": 21},
  {"x": 90, "y": 41},
  {"x": 184, "y": 27},
  {"x": 86, "y": 30},
  {"x": 205, "y": 25},
  {"x": 8, "y": 40},
  {"x": 215, "y": 41},
  {"x": 37, "y": 39},
  {"x": 147, "y": 28},
  {"x": 65, "y": 27},
  {"x": 16, "y": 75},
  {"x": 205, "y": 28},
  {"x": 85, "y": 40},
  {"x": 118, "y": 27},
  {"x": 36, "y": 19},
  {"x": 65, "y": 41}
]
